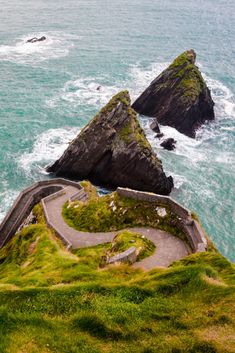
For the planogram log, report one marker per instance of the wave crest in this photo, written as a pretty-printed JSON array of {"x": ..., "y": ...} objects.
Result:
[
  {"x": 56, "y": 45},
  {"x": 48, "y": 147}
]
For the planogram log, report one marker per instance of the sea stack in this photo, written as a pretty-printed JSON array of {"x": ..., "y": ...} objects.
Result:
[
  {"x": 178, "y": 97},
  {"x": 113, "y": 150}
]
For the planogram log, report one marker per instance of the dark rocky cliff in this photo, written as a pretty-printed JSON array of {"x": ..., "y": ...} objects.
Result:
[
  {"x": 179, "y": 97},
  {"x": 112, "y": 149}
]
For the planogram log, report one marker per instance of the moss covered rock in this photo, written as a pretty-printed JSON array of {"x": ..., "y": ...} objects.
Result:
[
  {"x": 178, "y": 97},
  {"x": 113, "y": 150}
]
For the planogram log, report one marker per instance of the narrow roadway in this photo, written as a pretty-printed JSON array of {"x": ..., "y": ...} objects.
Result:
[{"x": 168, "y": 247}]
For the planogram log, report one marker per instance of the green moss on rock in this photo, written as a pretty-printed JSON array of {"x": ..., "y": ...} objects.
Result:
[
  {"x": 122, "y": 97},
  {"x": 191, "y": 82},
  {"x": 186, "y": 57},
  {"x": 132, "y": 131}
]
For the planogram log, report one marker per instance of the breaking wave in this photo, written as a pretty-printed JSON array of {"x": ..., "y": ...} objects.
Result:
[
  {"x": 85, "y": 91},
  {"x": 56, "y": 45},
  {"x": 48, "y": 147}
]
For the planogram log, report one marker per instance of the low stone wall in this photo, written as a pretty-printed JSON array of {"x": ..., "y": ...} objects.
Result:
[
  {"x": 25, "y": 202},
  {"x": 55, "y": 194},
  {"x": 129, "y": 255},
  {"x": 192, "y": 229},
  {"x": 200, "y": 235},
  {"x": 150, "y": 197}
]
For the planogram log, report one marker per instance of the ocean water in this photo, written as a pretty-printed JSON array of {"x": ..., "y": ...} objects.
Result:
[{"x": 48, "y": 90}]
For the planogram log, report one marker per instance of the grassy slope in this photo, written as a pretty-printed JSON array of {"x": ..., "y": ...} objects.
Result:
[{"x": 55, "y": 301}]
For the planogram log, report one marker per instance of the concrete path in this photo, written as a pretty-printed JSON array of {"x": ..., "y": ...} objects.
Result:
[{"x": 168, "y": 247}]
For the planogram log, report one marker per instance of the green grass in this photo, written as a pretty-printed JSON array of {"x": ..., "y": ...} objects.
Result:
[
  {"x": 125, "y": 239},
  {"x": 112, "y": 212},
  {"x": 53, "y": 301}
]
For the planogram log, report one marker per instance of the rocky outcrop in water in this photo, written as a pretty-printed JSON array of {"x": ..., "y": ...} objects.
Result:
[
  {"x": 179, "y": 97},
  {"x": 159, "y": 135},
  {"x": 169, "y": 144},
  {"x": 35, "y": 39},
  {"x": 113, "y": 150},
  {"x": 155, "y": 127}
]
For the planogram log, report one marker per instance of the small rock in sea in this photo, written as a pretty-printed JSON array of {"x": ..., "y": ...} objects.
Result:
[
  {"x": 155, "y": 127},
  {"x": 159, "y": 135},
  {"x": 169, "y": 144},
  {"x": 35, "y": 39}
]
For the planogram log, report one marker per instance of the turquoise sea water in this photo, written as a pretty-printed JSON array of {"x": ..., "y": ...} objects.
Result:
[{"x": 48, "y": 90}]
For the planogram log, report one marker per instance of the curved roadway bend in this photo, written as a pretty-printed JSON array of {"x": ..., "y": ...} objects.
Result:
[{"x": 168, "y": 247}]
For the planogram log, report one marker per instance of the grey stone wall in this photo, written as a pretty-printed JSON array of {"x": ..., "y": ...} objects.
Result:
[
  {"x": 194, "y": 232},
  {"x": 25, "y": 202},
  {"x": 129, "y": 255}
]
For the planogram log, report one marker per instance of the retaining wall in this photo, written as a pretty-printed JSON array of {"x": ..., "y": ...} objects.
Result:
[
  {"x": 191, "y": 228},
  {"x": 25, "y": 202},
  {"x": 126, "y": 256}
]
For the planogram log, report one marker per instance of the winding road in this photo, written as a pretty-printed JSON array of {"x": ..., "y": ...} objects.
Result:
[{"x": 168, "y": 247}]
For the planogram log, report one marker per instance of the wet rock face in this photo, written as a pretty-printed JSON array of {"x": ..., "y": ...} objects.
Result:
[
  {"x": 35, "y": 39},
  {"x": 169, "y": 144},
  {"x": 155, "y": 127},
  {"x": 178, "y": 97},
  {"x": 113, "y": 150},
  {"x": 159, "y": 135}
]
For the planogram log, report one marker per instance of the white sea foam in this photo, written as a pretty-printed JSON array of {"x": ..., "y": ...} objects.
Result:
[
  {"x": 225, "y": 158},
  {"x": 223, "y": 97},
  {"x": 141, "y": 77},
  {"x": 84, "y": 91},
  {"x": 185, "y": 146},
  {"x": 96, "y": 91},
  {"x": 48, "y": 147},
  {"x": 56, "y": 45},
  {"x": 7, "y": 197}
]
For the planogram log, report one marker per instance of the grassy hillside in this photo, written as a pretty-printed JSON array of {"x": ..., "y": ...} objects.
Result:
[{"x": 53, "y": 301}]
